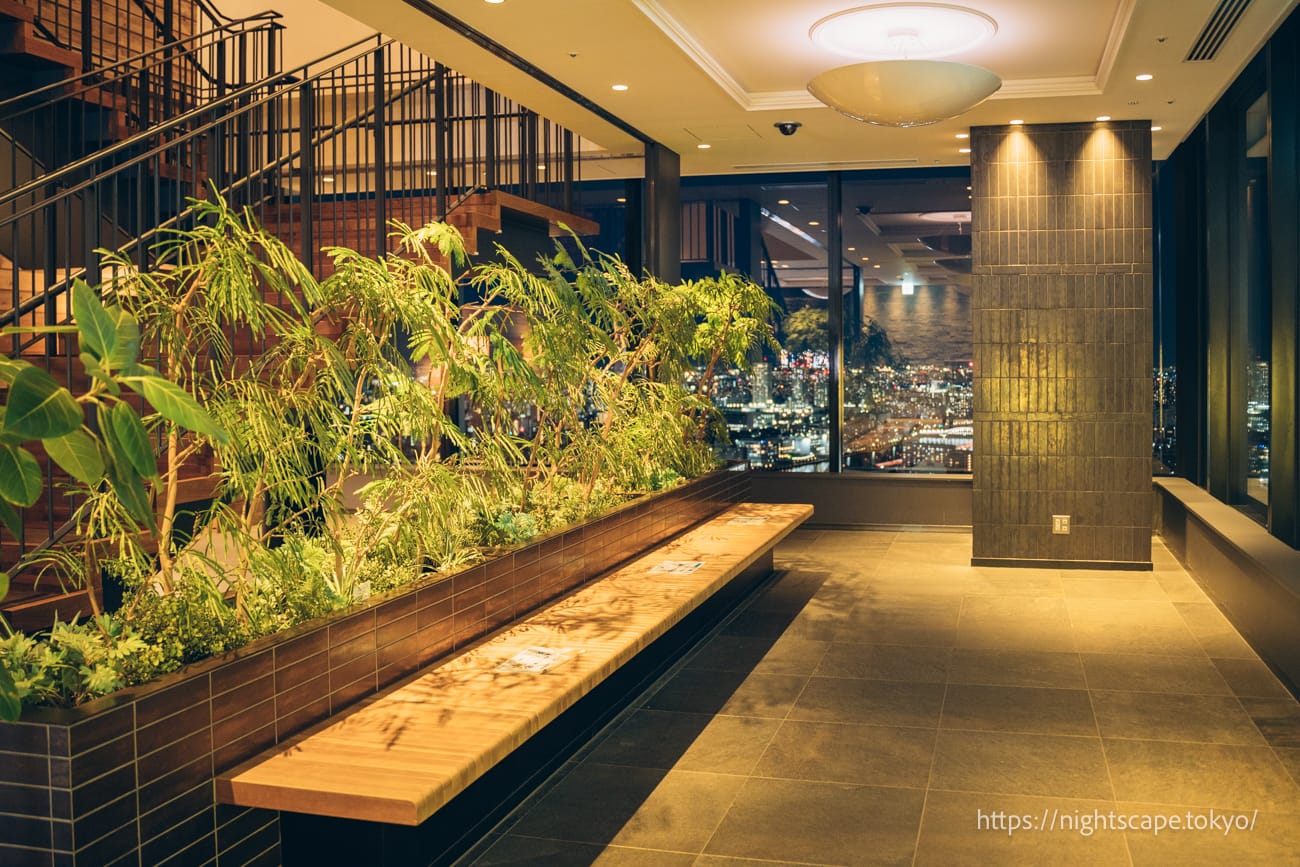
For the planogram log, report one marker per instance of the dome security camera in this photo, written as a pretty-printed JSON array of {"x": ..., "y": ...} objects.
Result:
[{"x": 788, "y": 127}]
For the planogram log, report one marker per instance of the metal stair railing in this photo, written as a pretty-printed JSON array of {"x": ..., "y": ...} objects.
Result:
[
  {"x": 323, "y": 154},
  {"x": 71, "y": 24},
  {"x": 97, "y": 109}
]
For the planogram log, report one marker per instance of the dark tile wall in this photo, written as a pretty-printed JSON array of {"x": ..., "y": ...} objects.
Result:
[
  {"x": 128, "y": 779},
  {"x": 1061, "y": 225}
]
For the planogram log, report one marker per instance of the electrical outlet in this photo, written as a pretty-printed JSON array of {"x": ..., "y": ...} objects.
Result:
[{"x": 1060, "y": 525}]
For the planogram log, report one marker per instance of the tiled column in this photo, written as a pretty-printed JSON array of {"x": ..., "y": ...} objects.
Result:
[{"x": 1062, "y": 343}]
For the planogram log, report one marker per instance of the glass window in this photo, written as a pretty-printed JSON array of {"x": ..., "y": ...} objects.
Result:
[
  {"x": 905, "y": 256},
  {"x": 907, "y": 341},
  {"x": 1257, "y": 297}
]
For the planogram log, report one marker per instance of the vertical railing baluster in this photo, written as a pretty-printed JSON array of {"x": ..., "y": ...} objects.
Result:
[
  {"x": 440, "y": 137},
  {"x": 306, "y": 168},
  {"x": 381, "y": 153},
  {"x": 490, "y": 138},
  {"x": 568, "y": 172}
]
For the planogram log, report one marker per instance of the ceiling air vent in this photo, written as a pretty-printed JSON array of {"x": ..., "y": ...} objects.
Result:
[{"x": 1217, "y": 30}]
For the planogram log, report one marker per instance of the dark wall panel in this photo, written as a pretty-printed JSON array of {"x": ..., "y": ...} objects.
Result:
[{"x": 1062, "y": 330}]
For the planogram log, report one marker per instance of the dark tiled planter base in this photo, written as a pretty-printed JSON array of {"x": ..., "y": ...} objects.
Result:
[{"x": 128, "y": 779}]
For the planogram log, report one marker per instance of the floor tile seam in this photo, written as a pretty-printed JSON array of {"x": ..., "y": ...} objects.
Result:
[
  {"x": 948, "y": 646},
  {"x": 929, "y": 781},
  {"x": 949, "y": 790},
  {"x": 1184, "y": 741},
  {"x": 750, "y": 776},
  {"x": 1115, "y": 801},
  {"x": 1014, "y": 731},
  {"x": 1023, "y": 733},
  {"x": 1228, "y": 694},
  {"x": 1257, "y": 746},
  {"x": 859, "y": 784},
  {"x": 855, "y": 724},
  {"x": 615, "y": 766},
  {"x": 609, "y": 844},
  {"x": 633, "y": 706},
  {"x": 747, "y": 859}
]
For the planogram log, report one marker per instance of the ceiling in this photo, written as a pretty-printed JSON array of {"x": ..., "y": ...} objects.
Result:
[{"x": 722, "y": 72}]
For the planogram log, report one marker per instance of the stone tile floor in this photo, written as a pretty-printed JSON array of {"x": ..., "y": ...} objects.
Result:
[{"x": 880, "y": 695}]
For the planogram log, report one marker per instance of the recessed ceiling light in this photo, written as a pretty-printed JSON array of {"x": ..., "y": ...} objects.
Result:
[
  {"x": 621, "y": 200},
  {"x": 963, "y": 135},
  {"x": 968, "y": 188},
  {"x": 432, "y": 173},
  {"x": 327, "y": 180},
  {"x": 1103, "y": 117},
  {"x": 783, "y": 201},
  {"x": 853, "y": 249},
  {"x": 494, "y": 2},
  {"x": 619, "y": 87},
  {"x": 1146, "y": 76},
  {"x": 875, "y": 266},
  {"x": 1156, "y": 128},
  {"x": 868, "y": 259},
  {"x": 704, "y": 146},
  {"x": 963, "y": 150},
  {"x": 1017, "y": 122},
  {"x": 814, "y": 222}
]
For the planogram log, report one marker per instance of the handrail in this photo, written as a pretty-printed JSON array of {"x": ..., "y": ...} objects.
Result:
[
  {"x": 472, "y": 190},
  {"x": 89, "y": 77},
  {"x": 36, "y": 302},
  {"x": 130, "y": 144},
  {"x": 165, "y": 31}
]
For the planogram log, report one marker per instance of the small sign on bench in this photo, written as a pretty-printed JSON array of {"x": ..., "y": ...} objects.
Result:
[
  {"x": 676, "y": 567},
  {"x": 537, "y": 660}
]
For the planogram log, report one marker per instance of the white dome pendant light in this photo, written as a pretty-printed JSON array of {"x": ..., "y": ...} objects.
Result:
[{"x": 901, "y": 83}]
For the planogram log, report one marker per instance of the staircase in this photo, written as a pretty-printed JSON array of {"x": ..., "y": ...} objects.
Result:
[
  {"x": 23, "y": 47},
  {"x": 325, "y": 154}
]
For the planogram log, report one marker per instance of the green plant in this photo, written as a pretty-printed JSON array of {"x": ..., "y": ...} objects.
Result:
[
  {"x": 109, "y": 463},
  {"x": 341, "y": 471},
  {"x": 77, "y": 661}
]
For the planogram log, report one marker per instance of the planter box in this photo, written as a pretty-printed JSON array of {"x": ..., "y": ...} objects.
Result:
[{"x": 128, "y": 778}]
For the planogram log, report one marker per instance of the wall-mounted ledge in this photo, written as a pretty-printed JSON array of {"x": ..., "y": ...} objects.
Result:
[
  {"x": 872, "y": 501},
  {"x": 1252, "y": 576},
  {"x": 1023, "y": 563}
]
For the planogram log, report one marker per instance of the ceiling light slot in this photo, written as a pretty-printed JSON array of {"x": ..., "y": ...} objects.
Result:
[{"x": 1216, "y": 30}]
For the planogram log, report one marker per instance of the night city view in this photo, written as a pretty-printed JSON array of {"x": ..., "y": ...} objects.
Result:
[{"x": 913, "y": 418}]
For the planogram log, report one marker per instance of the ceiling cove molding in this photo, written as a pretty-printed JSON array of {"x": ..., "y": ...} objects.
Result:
[
  {"x": 1114, "y": 41},
  {"x": 796, "y": 100},
  {"x": 780, "y": 100},
  {"x": 1065, "y": 85},
  {"x": 694, "y": 50}
]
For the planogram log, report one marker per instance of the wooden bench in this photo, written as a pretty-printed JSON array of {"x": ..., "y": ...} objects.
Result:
[{"x": 401, "y": 755}]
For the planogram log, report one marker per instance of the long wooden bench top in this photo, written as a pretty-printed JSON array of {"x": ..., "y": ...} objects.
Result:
[{"x": 402, "y": 754}]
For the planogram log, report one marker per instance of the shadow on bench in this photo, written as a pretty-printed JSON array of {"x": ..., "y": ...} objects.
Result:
[{"x": 467, "y": 733}]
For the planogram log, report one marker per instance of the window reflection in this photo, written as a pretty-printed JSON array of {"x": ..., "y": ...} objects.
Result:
[{"x": 1257, "y": 295}]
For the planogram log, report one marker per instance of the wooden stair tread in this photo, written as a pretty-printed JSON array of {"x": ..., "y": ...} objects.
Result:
[
  {"x": 401, "y": 755},
  {"x": 496, "y": 199},
  {"x": 24, "y": 46},
  {"x": 16, "y": 11}
]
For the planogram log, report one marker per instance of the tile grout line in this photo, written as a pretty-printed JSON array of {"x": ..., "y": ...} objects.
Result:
[
  {"x": 929, "y": 780},
  {"x": 751, "y": 776}
]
